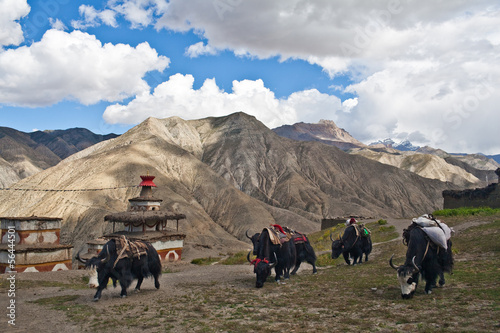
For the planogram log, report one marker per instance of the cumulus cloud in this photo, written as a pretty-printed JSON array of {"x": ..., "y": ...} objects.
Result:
[
  {"x": 57, "y": 24},
  {"x": 140, "y": 13},
  {"x": 199, "y": 49},
  {"x": 420, "y": 68},
  {"x": 94, "y": 18},
  {"x": 176, "y": 97},
  {"x": 435, "y": 108},
  {"x": 10, "y": 30},
  {"x": 324, "y": 31},
  {"x": 75, "y": 66},
  {"x": 426, "y": 70}
]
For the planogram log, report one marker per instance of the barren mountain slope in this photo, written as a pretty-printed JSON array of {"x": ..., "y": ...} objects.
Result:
[
  {"x": 310, "y": 178},
  {"x": 227, "y": 174},
  {"x": 28, "y": 153},
  {"x": 24, "y": 155},
  {"x": 425, "y": 165},
  {"x": 64, "y": 143},
  {"x": 7, "y": 174},
  {"x": 480, "y": 166},
  {"x": 325, "y": 131},
  {"x": 468, "y": 170},
  {"x": 217, "y": 213},
  {"x": 477, "y": 161}
]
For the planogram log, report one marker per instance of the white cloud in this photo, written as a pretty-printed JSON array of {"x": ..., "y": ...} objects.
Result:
[
  {"x": 412, "y": 62},
  {"x": 349, "y": 104},
  {"x": 57, "y": 24},
  {"x": 140, "y": 13},
  {"x": 452, "y": 112},
  {"x": 425, "y": 69},
  {"x": 176, "y": 97},
  {"x": 10, "y": 29},
  {"x": 94, "y": 18},
  {"x": 199, "y": 49},
  {"x": 75, "y": 66}
]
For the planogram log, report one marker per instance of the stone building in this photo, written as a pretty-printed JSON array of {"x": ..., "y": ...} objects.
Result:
[
  {"x": 32, "y": 244},
  {"x": 488, "y": 196}
]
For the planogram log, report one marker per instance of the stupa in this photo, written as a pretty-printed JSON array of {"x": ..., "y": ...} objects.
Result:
[{"x": 146, "y": 220}]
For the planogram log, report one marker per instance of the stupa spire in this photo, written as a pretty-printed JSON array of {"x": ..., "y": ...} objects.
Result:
[{"x": 147, "y": 184}]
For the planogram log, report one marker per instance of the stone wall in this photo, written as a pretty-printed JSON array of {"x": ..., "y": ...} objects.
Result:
[
  {"x": 480, "y": 197},
  {"x": 31, "y": 244},
  {"x": 328, "y": 223}
]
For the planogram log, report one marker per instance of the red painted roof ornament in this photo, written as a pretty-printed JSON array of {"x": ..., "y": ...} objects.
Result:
[
  {"x": 146, "y": 186},
  {"x": 147, "y": 181}
]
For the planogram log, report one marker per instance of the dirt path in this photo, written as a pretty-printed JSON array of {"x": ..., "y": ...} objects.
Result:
[{"x": 185, "y": 278}]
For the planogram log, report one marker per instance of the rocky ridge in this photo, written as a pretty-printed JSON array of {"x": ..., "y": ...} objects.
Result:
[
  {"x": 25, "y": 154},
  {"x": 463, "y": 170}
]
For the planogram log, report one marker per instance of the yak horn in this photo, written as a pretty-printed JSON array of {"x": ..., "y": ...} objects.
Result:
[
  {"x": 415, "y": 265},
  {"x": 80, "y": 259},
  {"x": 275, "y": 262},
  {"x": 246, "y": 234},
  {"x": 331, "y": 238},
  {"x": 108, "y": 256},
  {"x": 390, "y": 263},
  {"x": 248, "y": 256}
]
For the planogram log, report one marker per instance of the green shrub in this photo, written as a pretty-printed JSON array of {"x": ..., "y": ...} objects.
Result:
[
  {"x": 382, "y": 222},
  {"x": 236, "y": 259},
  {"x": 204, "y": 261},
  {"x": 467, "y": 211}
]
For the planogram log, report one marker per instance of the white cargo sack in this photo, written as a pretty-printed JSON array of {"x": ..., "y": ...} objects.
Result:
[
  {"x": 425, "y": 221},
  {"x": 437, "y": 231}
]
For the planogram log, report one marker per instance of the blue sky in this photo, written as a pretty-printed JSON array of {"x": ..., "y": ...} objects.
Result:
[{"x": 401, "y": 69}]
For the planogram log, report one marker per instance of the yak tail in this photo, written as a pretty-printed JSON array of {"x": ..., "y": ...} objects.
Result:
[
  {"x": 447, "y": 259},
  {"x": 310, "y": 250}
]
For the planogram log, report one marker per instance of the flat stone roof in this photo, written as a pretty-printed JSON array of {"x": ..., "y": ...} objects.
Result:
[
  {"x": 35, "y": 247},
  {"x": 149, "y": 236},
  {"x": 31, "y": 218},
  {"x": 144, "y": 216}
]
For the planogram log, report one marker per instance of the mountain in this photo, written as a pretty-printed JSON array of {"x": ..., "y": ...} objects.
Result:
[
  {"x": 25, "y": 154},
  {"x": 404, "y": 145},
  {"x": 433, "y": 151},
  {"x": 64, "y": 143},
  {"x": 425, "y": 165},
  {"x": 227, "y": 174},
  {"x": 481, "y": 166},
  {"x": 496, "y": 158},
  {"x": 466, "y": 170},
  {"x": 326, "y": 131},
  {"x": 478, "y": 161}
]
